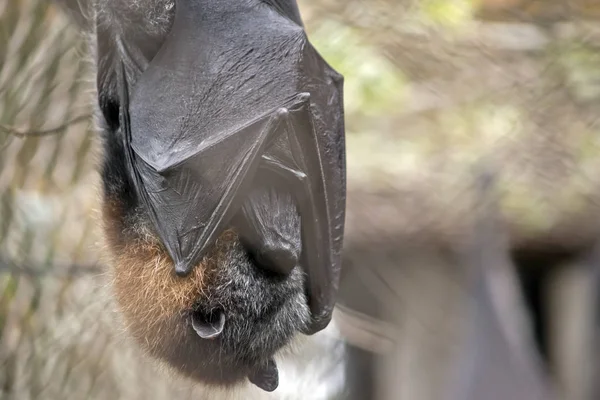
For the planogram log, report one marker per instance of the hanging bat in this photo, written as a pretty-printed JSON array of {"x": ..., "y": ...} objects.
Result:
[{"x": 234, "y": 124}]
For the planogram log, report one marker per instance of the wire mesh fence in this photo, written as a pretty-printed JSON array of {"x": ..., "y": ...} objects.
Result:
[{"x": 432, "y": 87}]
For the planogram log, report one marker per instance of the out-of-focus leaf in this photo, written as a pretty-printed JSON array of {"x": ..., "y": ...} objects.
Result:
[
  {"x": 582, "y": 68},
  {"x": 448, "y": 13},
  {"x": 373, "y": 85}
]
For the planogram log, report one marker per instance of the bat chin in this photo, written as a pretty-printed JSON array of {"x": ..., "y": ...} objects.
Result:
[{"x": 220, "y": 325}]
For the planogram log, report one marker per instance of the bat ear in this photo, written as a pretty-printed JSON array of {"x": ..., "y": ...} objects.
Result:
[{"x": 106, "y": 78}]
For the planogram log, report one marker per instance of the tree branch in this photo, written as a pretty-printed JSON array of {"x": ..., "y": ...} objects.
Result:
[{"x": 22, "y": 134}]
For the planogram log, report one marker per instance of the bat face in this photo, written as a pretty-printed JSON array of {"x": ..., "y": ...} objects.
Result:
[
  {"x": 172, "y": 318},
  {"x": 224, "y": 187}
]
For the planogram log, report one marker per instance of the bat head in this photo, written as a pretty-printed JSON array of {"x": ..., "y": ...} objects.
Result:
[
  {"x": 226, "y": 320},
  {"x": 220, "y": 324}
]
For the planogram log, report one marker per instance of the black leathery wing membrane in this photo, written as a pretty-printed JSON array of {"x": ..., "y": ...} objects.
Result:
[{"x": 235, "y": 94}]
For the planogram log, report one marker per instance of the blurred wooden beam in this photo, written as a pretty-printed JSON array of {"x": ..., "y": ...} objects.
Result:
[{"x": 538, "y": 11}]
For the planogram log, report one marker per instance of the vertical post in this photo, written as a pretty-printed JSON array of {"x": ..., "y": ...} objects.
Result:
[
  {"x": 497, "y": 359},
  {"x": 593, "y": 382}
]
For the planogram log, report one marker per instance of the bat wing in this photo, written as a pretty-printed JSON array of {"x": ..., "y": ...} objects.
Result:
[
  {"x": 193, "y": 186},
  {"x": 191, "y": 202},
  {"x": 287, "y": 8},
  {"x": 296, "y": 154}
]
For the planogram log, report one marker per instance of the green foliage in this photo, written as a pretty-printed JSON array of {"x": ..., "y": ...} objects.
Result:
[
  {"x": 447, "y": 13},
  {"x": 581, "y": 66},
  {"x": 373, "y": 86}
]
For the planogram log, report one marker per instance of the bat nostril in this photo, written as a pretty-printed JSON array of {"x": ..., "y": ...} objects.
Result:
[{"x": 277, "y": 259}]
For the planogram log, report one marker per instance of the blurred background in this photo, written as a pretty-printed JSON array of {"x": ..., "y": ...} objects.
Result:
[{"x": 432, "y": 87}]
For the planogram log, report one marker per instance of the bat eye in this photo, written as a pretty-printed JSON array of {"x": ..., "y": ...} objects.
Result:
[{"x": 280, "y": 260}]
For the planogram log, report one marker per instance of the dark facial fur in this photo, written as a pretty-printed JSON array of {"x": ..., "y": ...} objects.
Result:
[{"x": 263, "y": 310}]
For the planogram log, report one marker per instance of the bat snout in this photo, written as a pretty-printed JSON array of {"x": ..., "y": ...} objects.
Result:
[
  {"x": 278, "y": 259},
  {"x": 269, "y": 228}
]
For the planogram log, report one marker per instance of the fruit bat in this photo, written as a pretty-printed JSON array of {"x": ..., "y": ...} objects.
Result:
[{"x": 235, "y": 103}]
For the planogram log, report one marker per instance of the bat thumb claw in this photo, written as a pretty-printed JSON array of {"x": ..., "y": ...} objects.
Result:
[
  {"x": 318, "y": 323},
  {"x": 303, "y": 96},
  {"x": 182, "y": 269}
]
